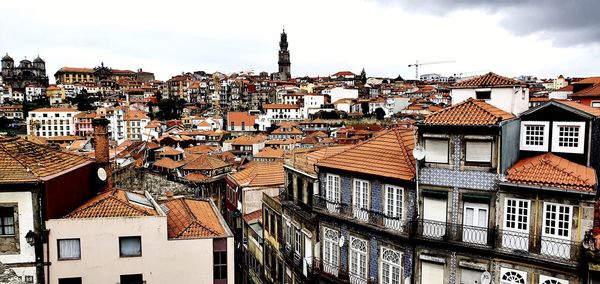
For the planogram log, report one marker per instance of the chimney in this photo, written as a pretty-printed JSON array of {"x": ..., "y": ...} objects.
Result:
[
  {"x": 102, "y": 150},
  {"x": 170, "y": 194}
]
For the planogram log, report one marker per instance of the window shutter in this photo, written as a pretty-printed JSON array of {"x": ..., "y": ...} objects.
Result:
[
  {"x": 437, "y": 151},
  {"x": 479, "y": 151}
]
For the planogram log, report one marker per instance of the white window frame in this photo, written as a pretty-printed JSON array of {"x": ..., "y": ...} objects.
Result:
[
  {"x": 430, "y": 159},
  {"x": 355, "y": 260},
  {"x": 503, "y": 271},
  {"x": 391, "y": 264},
  {"x": 540, "y": 148},
  {"x": 551, "y": 280},
  {"x": 60, "y": 253},
  {"x": 393, "y": 223},
  {"x": 361, "y": 195},
  {"x": 297, "y": 241},
  {"x": 569, "y": 223},
  {"x": 474, "y": 159},
  {"x": 331, "y": 250},
  {"x": 555, "y": 137},
  {"x": 333, "y": 191},
  {"x": 504, "y": 219}
]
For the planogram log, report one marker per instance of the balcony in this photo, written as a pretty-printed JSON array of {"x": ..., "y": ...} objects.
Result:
[
  {"x": 362, "y": 215},
  {"x": 502, "y": 241},
  {"x": 539, "y": 246},
  {"x": 337, "y": 274}
]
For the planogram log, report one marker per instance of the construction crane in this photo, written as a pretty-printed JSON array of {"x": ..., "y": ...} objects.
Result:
[
  {"x": 417, "y": 64},
  {"x": 459, "y": 75}
]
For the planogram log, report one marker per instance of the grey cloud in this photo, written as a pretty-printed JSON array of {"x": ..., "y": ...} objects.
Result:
[{"x": 564, "y": 22}]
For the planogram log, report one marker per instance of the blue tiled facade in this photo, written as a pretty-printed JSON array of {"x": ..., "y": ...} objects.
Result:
[
  {"x": 376, "y": 198},
  {"x": 346, "y": 189}
]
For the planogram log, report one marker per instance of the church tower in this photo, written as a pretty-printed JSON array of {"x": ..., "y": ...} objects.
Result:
[{"x": 284, "y": 58}]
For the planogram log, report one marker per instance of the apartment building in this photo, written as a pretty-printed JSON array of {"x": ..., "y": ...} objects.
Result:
[{"x": 51, "y": 122}]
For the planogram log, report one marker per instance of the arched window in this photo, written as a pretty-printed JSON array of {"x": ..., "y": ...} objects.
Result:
[
  {"x": 390, "y": 266},
  {"x": 511, "y": 276}
]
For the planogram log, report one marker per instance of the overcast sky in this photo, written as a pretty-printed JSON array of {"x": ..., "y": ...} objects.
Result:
[{"x": 509, "y": 37}]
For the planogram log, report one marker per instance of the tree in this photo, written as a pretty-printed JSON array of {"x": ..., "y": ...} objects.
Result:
[
  {"x": 379, "y": 113},
  {"x": 364, "y": 106}
]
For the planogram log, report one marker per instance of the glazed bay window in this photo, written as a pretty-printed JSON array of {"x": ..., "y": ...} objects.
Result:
[
  {"x": 7, "y": 221},
  {"x": 130, "y": 246},
  {"x": 568, "y": 137},
  {"x": 69, "y": 249},
  {"x": 358, "y": 260},
  {"x": 534, "y": 135},
  {"x": 478, "y": 151},
  {"x": 436, "y": 150}
]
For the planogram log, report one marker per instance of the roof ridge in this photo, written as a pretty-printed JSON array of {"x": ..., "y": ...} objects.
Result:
[
  {"x": 381, "y": 133},
  {"x": 556, "y": 166},
  {"x": 18, "y": 160}
]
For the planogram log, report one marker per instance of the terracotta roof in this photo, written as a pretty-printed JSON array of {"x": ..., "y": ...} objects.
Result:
[
  {"x": 112, "y": 204},
  {"x": 192, "y": 219},
  {"x": 552, "y": 171},
  {"x": 76, "y": 70},
  {"x": 282, "y": 130},
  {"x": 205, "y": 162},
  {"x": 167, "y": 163},
  {"x": 260, "y": 174},
  {"x": 169, "y": 151},
  {"x": 488, "y": 80},
  {"x": 589, "y": 80},
  {"x": 196, "y": 177},
  {"x": 135, "y": 115},
  {"x": 581, "y": 107},
  {"x": 247, "y": 140},
  {"x": 343, "y": 73},
  {"x": 238, "y": 117},
  {"x": 388, "y": 154},
  {"x": 305, "y": 160},
  {"x": 26, "y": 161},
  {"x": 54, "y": 109},
  {"x": 592, "y": 91},
  {"x": 86, "y": 115},
  {"x": 282, "y": 106},
  {"x": 253, "y": 216},
  {"x": 269, "y": 152},
  {"x": 470, "y": 112},
  {"x": 201, "y": 149}
]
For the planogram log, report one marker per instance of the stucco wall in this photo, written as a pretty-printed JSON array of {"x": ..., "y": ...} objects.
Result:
[{"x": 162, "y": 260}]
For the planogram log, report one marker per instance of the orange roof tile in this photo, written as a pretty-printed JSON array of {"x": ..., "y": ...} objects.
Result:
[
  {"x": 168, "y": 163},
  {"x": 169, "y": 151},
  {"x": 54, "y": 109},
  {"x": 269, "y": 152},
  {"x": 196, "y": 177},
  {"x": 135, "y": 115},
  {"x": 248, "y": 140},
  {"x": 260, "y": 174},
  {"x": 205, "y": 162},
  {"x": 552, "y": 171},
  {"x": 388, "y": 154},
  {"x": 26, "y": 161},
  {"x": 592, "y": 91},
  {"x": 470, "y": 112},
  {"x": 283, "y": 130},
  {"x": 581, "y": 107},
  {"x": 253, "y": 216},
  {"x": 112, "y": 204},
  {"x": 192, "y": 219},
  {"x": 488, "y": 80},
  {"x": 280, "y": 106},
  {"x": 238, "y": 117}
]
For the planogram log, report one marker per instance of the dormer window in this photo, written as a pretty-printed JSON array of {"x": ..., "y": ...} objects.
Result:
[
  {"x": 483, "y": 94},
  {"x": 568, "y": 137},
  {"x": 534, "y": 135}
]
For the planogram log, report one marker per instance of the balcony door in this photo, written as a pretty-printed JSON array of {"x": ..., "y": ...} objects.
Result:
[
  {"x": 556, "y": 230},
  {"x": 332, "y": 193},
  {"x": 358, "y": 260},
  {"x": 330, "y": 251},
  {"x": 393, "y": 207},
  {"x": 434, "y": 217},
  {"x": 516, "y": 224},
  {"x": 360, "y": 200},
  {"x": 475, "y": 223}
]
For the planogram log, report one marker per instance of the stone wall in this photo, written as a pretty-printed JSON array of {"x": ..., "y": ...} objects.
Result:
[{"x": 155, "y": 184}]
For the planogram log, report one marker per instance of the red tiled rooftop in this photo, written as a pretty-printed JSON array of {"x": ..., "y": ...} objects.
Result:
[
  {"x": 488, "y": 80},
  {"x": 192, "y": 219},
  {"x": 470, "y": 112}
]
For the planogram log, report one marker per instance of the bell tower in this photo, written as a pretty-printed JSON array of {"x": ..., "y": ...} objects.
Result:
[{"x": 284, "y": 57}]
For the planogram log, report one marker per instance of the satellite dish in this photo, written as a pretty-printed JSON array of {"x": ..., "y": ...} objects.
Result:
[
  {"x": 341, "y": 241},
  {"x": 102, "y": 174},
  {"x": 419, "y": 152},
  {"x": 486, "y": 277}
]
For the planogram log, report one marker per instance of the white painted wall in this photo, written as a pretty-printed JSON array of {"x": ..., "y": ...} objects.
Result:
[
  {"x": 162, "y": 260},
  {"x": 513, "y": 100}
]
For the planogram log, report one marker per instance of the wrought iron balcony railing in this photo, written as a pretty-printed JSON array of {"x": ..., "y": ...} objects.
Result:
[
  {"x": 363, "y": 215},
  {"x": 339, "y": 273},
  {"x": 544, "y": 247},
  {"x": 472, "y": 235}
]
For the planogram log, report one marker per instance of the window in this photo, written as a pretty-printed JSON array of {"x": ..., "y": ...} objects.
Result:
[
  {"x": 437, "y": 151},
  {"x": 132, "y": 279},
  {"x": 478, "y": 151},
  {"x": 511, "y": 276},
  {"x": 297, "y": 242},
  {"x": 475, "y": 220},
  {"x": 568, "y": 137},
  {"x": 551, "y": 280},
  {"x": 219, "y": 265},
  {"x": 69, "y": 249},
  {"x": 432, "y": 272},
  {"x": 470, "y": 276},
  {"x": 7, "y": 221},
  {"x": 71, "y": 280},
  {"x": 595, "y": 104},
  {"x": 390, "y": 266},
  {"x": 300, "y": 189},
  {"x": 516, "y": 224},
  {"x": 130, "y": 246},
  {"x": 393, "y": 207},
  {"x": 332, "y": 192},
  {"x": 288, "y": 234},
  {"x": 556, "y": 230},
  {"x": 434, "y": 217},
  {"x": 483, "y": 95},
  {"x": 330, "y": 251},
  {"x": 360, "y": 199},
  {"x": 358, "y": 260},
  {"x": 534, "y": 135}
]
